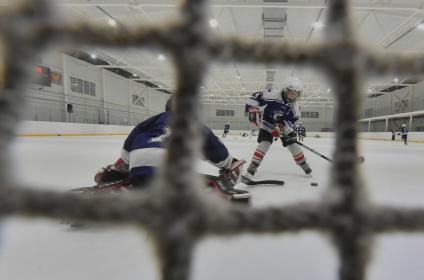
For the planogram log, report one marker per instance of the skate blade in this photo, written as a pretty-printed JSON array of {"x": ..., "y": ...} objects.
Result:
[
  {"x": 245, "y": 200},
  {"x": 241, "y": 196}
]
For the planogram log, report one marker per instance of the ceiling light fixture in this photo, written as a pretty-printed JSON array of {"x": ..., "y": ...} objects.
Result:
[
  {"x": 161, "y": 57},
  {"x": 112, "y": 22},
  {"x": 213, "y": 23},
  {"x": 318, "y": 24},
  {"x": 396, "y": 80},
  {"x": 93, "y": 56}
]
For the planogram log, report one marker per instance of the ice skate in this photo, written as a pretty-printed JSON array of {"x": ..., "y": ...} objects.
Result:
[
  {"x": 305, "y": 166},
  {"x": 228, "y": 178},
  {"x": 251, "y": 170}
]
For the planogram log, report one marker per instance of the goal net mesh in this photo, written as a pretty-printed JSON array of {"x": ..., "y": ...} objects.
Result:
[{"x": 175, "y": 212}]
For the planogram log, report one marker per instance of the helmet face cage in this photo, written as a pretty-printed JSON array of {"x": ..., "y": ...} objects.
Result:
[
  {"x": 293, "y": 85},
  {"x": 286, "y": 92}
]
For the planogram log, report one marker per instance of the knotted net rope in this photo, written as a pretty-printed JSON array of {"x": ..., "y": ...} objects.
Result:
[{"x": 174, "y": 211}]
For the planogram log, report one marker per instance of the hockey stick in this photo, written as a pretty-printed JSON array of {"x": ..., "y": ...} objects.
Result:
[
  {"x": 250, "y": 182},
  {"x": 315, "y": 152},
  {"x": 361, "y": 158},
  {"x": 103, "y": 187}
]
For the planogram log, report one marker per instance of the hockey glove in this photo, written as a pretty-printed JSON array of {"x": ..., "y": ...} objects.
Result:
[
  {"x": 289, "y": 139},
  {"x": 112, "y": 173},
  {"x": 276, "y": 131},
  {"x": 254, "y": 115}
]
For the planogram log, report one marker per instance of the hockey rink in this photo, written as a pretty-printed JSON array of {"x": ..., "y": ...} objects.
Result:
[{"x": 48, "y": 250}]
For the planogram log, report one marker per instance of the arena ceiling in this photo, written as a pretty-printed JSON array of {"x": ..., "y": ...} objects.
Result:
[{"x": 380, "y": 24}]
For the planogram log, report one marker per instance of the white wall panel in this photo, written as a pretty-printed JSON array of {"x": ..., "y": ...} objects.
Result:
[
  {"x": 82, "y": 70},
  {"x": 240, "y": 121},
  {"x": 116, "y": 89},
  {"x": 112, "y": 103},
  {"x": 59, "y": 128},
  {"x": 157, "y": 101}
]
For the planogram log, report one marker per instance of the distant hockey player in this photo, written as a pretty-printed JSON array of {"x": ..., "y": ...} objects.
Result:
[
  {"x": 226, "y": 130},
  {"x": 404, "y": 134},
  {"x": 144, "y": 149},
  {"x": 275, "y": 114},
  {"x": 301, "y": 131}
]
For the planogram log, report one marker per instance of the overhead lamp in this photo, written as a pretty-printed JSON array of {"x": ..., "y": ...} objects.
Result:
[
  {"x": 161, "y": 57},
  {"x": 93, "y": 56},
  {"x": 328, "y": 90},
  {"x": 396, "y": 80},
  {"x": 112, "y": 22},
  {"x": 318, "y": 24},
  {"x": 213, "y": 23},
  {"x": 134, "y": 75}
]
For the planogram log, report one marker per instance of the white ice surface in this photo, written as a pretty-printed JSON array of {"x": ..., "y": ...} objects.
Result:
[{"x": 47, "y": 250}]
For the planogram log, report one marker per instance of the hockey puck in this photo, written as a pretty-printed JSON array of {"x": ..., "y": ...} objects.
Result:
[{"x": 314, "y": 184}]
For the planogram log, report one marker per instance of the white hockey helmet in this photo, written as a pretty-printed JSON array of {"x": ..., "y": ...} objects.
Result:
[
  {"x": 292, "y": 84},
  {"x": 403, "y": 125}
]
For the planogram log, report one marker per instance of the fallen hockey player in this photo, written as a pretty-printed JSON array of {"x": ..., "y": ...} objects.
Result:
[{"x": 144, "y": 150}]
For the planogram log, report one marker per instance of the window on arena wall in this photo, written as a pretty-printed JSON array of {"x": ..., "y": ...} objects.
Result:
[
  {"x": 225, "y": 113},
  {"x": 138, "y": 100},
  {"x": 310, "y": 115},
  {"x": 82, "y": 86}
]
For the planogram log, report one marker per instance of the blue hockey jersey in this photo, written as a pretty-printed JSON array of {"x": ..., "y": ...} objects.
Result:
[
  {"x": 144, "y": 148},
  {"x": 404, "y": 132},
  {"x": 275, "y": 109}
]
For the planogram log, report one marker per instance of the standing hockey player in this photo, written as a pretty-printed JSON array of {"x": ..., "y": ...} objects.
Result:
[
  {"x": 275, "y": 114},
  {"x": 404, "y": 134},
  {"x": 226, "y": 130},
  {"x": 301, "y": 131},
  {"x": 144, "y": 150}
]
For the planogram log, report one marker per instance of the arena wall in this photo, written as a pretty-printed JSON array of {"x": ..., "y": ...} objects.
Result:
[{"x": 39, "y": 128}]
